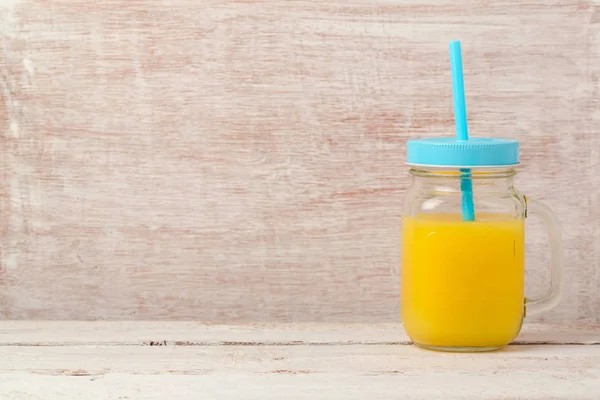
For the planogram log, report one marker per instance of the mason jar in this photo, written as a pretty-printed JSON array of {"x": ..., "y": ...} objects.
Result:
[{"x": 463, "y": 246}]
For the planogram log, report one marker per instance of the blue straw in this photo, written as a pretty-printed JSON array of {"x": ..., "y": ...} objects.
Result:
[{"x": 462, "y": 131}]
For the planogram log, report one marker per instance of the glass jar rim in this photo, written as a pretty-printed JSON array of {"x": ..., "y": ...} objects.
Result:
[{"x": 506, "y": 171}]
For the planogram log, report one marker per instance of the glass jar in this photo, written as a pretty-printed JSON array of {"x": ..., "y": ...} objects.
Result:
[{"x": 462, "y": 281}]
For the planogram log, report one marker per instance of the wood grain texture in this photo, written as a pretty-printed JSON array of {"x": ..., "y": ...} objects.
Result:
[
  {"x": 112, "y": 360},
  {"x": 309, "y": 372},
  {"x": 243, "y": 160}
]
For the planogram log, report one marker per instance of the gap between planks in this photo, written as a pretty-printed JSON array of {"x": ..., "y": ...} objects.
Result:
[{"x": 112, "y": 333}]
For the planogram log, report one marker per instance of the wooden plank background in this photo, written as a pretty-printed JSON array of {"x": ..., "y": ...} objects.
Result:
[{"x": 243, "y": 160}]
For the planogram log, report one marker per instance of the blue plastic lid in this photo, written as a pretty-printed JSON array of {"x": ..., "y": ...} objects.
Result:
[{"x": 450, "y": 152}]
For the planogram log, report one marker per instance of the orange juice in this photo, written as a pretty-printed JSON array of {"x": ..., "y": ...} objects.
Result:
[{"x": 462, "y": 282}]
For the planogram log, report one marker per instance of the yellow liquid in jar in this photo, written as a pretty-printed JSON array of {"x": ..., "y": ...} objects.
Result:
[{"x": 462, "y": 282}]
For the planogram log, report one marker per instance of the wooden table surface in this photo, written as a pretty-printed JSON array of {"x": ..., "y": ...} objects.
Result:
[{"x": 180, "y": 360}]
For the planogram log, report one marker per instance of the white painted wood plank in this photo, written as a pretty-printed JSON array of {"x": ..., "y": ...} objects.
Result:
[
  {"x": 485, "y": 386},
  {"x": 324, "y": 372},
  {"x": 195, "y": 333}
]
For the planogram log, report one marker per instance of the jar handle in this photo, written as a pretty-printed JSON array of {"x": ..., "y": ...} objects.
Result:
[{"x": 552, "y": 296}]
